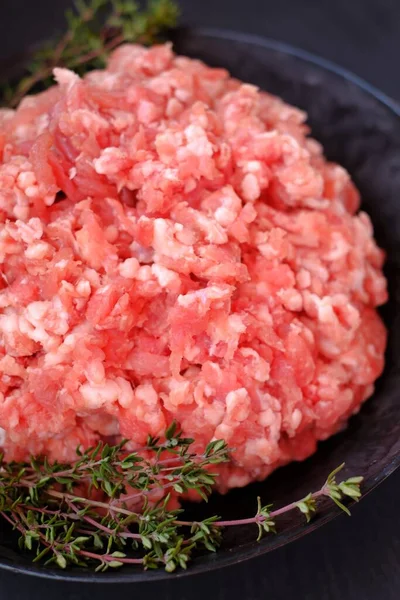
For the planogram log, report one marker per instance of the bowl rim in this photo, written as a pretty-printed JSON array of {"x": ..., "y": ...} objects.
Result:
[{"x": 246, "y": 552}]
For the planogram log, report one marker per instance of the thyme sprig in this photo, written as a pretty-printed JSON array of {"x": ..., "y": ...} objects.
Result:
[
  {"x": 94, "y": 29},
  {"x": 113, "y": 507}
]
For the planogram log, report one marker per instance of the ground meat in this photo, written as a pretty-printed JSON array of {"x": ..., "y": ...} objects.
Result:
[{"x": 174, "y": 246}]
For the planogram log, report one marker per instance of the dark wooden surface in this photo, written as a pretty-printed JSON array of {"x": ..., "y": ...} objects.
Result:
[{"x": 348, "y": 559}]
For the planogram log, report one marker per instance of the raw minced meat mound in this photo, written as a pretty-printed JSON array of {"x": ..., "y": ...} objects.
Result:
[{"x": 174, "y": 246}]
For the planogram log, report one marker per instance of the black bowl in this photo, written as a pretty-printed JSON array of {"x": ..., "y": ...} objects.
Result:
[{"x": 359, "y": 128}]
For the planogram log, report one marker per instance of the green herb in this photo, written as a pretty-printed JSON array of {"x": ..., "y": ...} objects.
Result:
[
  {"x": 94, "y": 28},
  {"x": 111, "y": 507}
]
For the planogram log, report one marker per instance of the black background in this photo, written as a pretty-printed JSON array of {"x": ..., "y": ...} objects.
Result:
[{"x": 348, "y": 559}]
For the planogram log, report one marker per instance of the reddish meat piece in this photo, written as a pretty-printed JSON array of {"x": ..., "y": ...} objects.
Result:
[{"x": 174, "y": 246}]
